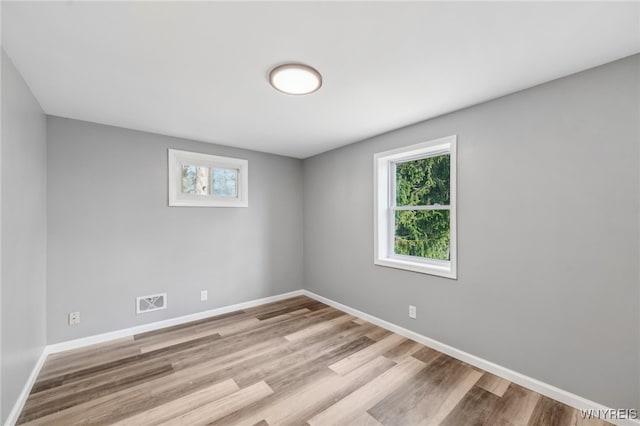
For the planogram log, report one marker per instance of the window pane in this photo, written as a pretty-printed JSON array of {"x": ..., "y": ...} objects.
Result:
[
  {"x": 195, "y": 180},
  {"x": 423, "y": 182},
  {"x": 422, "y": 233},
  {"x": 225, "y": 182}
]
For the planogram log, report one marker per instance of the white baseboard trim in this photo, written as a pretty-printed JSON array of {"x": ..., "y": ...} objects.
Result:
[
  {"x": 535, "y": 385},
  {"x": 112, "y": 335},
  {"x": 542, "y": 388},
  {"x": 12, "y": 418}
]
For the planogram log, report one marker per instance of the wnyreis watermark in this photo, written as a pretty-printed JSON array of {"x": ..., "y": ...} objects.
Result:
[{"x": 610, "y": 414}]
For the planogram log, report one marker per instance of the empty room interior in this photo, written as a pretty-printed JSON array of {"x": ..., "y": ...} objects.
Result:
[{"x": 320, "y": 213}]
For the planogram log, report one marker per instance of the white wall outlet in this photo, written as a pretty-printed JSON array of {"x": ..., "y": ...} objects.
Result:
[
  {"x": 204, "y": 295},
  {"x": 412, "y": 311},
  {"x": 74, "y": 318}
]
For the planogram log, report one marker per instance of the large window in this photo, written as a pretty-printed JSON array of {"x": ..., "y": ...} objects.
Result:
[{"x": 415, "y": 207}]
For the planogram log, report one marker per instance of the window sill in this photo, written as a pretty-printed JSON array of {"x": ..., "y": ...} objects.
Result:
[{"x": 421, "y": 267}]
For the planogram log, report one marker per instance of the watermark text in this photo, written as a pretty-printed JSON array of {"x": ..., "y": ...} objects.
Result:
[{"x": 610, "y": 414}]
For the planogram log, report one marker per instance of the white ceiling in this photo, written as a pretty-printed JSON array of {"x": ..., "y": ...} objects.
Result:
[{"x": 199, "y": 69}]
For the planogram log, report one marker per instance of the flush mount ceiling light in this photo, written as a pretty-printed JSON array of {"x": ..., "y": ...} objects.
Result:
[{"x": 295, "y": 79}]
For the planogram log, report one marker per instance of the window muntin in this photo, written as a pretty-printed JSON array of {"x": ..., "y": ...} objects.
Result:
[{"x": 415, "y": 208}]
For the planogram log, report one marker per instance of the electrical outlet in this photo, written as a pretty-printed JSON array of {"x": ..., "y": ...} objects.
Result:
[
  {"x": 74, "y": 318},
  {"x": 412, "y": 311},
  {"x": 204, "y": 295}
]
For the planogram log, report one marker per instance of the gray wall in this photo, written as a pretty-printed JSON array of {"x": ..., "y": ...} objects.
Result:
[
  {"x": 547, "y": 234},
  {"x": 112, "y": 236},
  {"x": 548, "y": 211},
  {"x": 24, "y": 233}
]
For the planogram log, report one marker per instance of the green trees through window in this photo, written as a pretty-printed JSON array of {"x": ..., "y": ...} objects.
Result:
[{"x": 423, "y": 231}]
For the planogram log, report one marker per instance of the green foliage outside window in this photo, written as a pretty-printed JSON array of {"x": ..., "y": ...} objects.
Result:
[{"x": 423, "y": 233}]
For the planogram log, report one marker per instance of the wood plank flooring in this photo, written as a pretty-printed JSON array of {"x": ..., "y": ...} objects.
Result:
[{"x": 293, "y": 362}]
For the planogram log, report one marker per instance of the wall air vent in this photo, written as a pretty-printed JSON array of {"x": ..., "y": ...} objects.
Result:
[{"x": 150, "y": 303}]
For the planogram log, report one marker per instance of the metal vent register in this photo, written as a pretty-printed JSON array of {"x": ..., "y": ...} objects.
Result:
[{"x": 150, "y": 303}]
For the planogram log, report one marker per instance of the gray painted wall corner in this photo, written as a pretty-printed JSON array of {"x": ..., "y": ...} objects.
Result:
[
  {"x": 533, "y": 248},
  {"x": 24, "y": 233},
  {"x": 112, "y": 236},
  {"x": 539, "y": 173}
]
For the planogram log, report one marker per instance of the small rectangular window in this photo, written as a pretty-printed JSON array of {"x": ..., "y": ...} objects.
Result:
[
  {"x": 204, "y": 180},
  {"x": 415, "y": 208}
]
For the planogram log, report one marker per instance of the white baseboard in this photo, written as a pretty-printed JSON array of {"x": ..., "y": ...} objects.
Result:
[
  {"x": 542, "y": 388},
  {"x": 535, "y": 385},
  {"x": 12, "y": 418},
  {"x": 112, "y": 335},
  {"x": 105, "y": 337}
]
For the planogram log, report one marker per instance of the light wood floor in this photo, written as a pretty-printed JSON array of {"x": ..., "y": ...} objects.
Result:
[{"x": 294, "y": 362}]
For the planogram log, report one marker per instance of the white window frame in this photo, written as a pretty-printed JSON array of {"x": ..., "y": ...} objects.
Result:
[
  {"x": 384, "y": 208},
  {"x": 177, "y": 198}
]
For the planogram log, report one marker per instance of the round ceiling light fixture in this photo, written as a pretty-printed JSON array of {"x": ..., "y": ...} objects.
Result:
[{"x": 295, "y": 79}]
